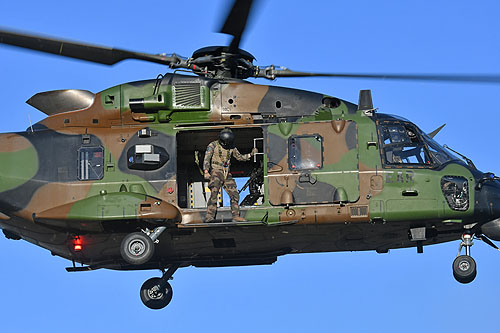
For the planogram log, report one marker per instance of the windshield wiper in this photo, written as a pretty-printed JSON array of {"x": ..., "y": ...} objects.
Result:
[{"x": 469, "y": 161}]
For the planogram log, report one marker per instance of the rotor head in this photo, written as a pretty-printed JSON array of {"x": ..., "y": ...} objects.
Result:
[{"x": 222, "y": 62}]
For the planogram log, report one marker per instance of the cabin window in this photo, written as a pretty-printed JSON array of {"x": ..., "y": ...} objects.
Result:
[
  {"x": 146, "y": 157},
  {"x": 401, "y": 145},
  {"x": 90, "y": 163},
  {"x": 305, "y": 152}
]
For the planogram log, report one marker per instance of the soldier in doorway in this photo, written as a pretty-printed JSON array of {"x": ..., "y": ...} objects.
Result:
[{"x": 216, "y": 170}]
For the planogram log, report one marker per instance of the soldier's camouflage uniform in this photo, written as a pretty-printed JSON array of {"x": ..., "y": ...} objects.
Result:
[{"x": 217, "y": 161}]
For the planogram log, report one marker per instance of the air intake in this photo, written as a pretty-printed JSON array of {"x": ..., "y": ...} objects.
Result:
[{"x": 187, "y": 96}]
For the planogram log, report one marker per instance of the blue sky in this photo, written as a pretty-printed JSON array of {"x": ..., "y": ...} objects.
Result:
[{"x": 344, "y": 292}]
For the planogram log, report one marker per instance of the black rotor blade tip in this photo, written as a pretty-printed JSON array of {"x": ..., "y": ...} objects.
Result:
[{"x": 236, "y": 21}]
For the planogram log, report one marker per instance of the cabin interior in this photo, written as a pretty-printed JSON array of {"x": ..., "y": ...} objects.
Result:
[{"x": 193, "y": 189}]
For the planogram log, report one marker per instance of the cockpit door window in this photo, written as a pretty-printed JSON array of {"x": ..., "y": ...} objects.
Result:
[{"x": 305, "y": 152}]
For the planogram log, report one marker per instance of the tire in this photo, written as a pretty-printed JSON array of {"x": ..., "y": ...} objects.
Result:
[
  {"x": 137, "y": 248},
  {"x": 154, "y": 298},
  {"x": 464, "y": 269}
]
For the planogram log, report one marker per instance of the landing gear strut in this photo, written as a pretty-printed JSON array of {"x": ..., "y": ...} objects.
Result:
[
  {"x": 156, "y": 293},
  {"x": 464, "y": 266}
]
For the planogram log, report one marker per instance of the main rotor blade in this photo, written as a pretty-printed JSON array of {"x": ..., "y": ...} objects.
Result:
[
  {"x": 272, "y": 73},
  {"x": 236, "y": 22},
  {"x": 88, "y": 52}
]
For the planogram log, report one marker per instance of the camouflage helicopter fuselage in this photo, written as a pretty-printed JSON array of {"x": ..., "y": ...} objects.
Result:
[{"x": 335, "y": 177}]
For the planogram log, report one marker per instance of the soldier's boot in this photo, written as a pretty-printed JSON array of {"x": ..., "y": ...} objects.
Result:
[
  {"x": 239, "y": 219},
  {"x": 210, "y": 217},
  {"x": 235, "y": 210}
]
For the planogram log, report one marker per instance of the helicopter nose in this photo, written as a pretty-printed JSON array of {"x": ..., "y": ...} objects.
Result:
[{"x": 487, "y": 207}]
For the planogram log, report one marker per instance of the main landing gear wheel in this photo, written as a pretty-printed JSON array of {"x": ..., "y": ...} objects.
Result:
[
  {"x": 154, "y": 295},
  {"x": 137, "y": 248},
  {"x": 464, "y": 269}
]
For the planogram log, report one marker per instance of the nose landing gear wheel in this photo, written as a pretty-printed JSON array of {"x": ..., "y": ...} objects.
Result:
[
  {"x": 154, "y": 296},
  {"x": 137, "y": 248},
  {"x": 464, "y": 269}
]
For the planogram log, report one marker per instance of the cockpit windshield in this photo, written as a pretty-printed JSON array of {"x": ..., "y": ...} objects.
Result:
[
  {"x": 404, "y": 143},
  {"x": 439, "y": 154}
]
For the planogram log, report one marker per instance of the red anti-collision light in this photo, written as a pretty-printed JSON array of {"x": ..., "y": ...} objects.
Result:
[{"x": 77, "y": 244}]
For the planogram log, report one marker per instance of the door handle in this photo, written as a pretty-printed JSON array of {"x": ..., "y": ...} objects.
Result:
[
  {"x": 410, "y": 193},
  {"x": 307, "y": 178}
]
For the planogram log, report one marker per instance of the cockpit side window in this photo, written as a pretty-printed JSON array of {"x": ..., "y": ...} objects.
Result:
[{"x": 401, "y": 145}]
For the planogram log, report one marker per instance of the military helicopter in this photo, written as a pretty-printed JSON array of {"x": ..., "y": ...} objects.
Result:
[{"x": 122, "y": 188}]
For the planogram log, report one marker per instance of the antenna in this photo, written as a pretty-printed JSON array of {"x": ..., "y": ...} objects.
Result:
[{"x": 31, "y": 126}]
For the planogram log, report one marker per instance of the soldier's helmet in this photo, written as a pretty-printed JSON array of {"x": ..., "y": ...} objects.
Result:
[{"x": 226, "y": 138}]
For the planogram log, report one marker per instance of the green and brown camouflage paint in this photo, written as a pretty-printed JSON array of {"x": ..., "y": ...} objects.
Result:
[{"x": 349, "y": 201}]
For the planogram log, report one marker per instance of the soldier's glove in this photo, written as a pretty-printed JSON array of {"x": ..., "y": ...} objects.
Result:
[
  {"x": 207, "y": 175},
  {"x": 254, "y": 151}
]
